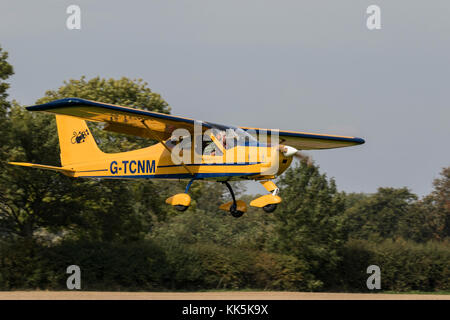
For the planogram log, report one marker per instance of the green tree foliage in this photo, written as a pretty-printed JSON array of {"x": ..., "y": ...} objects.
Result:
[
  {"x": 137, "y": 265},
  {"x": 380, "y": 215},
  {"x": 35, "y": 200},
  {"x": 148, "y": 265},
  {"x": 438, "y": 205},
  {"x": 28, "y": 197},
  {"x": 394, "y": 213},
  {"x": 124, "y": 92},
  {"x": 405, "y": 265},
  {"x": 217, "y": 227},
  {"x": 218, "y": 267},
  {"x": 124, "y": 237},
  {"x": 6, "y": 70},
  {"x": 149, "y": 195},
  {"x": 309, "y": 220},
  {"x": 429, "y": 218}
]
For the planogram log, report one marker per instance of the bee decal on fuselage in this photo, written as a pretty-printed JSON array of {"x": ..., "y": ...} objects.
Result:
[{"x": 79, "y": 137}]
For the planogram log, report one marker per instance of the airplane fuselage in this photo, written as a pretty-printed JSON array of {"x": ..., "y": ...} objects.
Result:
[{"x": 254, "y": 162}]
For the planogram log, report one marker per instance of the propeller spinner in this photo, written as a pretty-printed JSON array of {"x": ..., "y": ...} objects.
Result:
[{"x": 289, "y": 151}]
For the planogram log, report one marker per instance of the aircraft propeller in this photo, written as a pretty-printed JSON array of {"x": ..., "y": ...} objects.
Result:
[{"x": 293, "y": 152}]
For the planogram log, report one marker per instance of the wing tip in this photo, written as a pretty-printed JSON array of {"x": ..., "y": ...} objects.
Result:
[
  {"x": 55, "y": 103},
  {"x": 24, "y": 164}
]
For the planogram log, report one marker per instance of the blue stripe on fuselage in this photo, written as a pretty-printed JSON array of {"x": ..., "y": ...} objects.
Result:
[{"x": 175, "y": 176}]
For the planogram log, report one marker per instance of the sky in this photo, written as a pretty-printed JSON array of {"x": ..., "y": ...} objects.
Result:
[{"x": 309, "y": 66}]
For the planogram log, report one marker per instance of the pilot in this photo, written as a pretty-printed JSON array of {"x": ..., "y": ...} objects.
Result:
[
  {"x": 221, "y": 137},
  {"x": 210, "y": 149}
]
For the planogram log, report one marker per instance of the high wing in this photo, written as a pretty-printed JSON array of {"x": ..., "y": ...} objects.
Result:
[
  {"x": 137, "y": 122},
  {"x": 307, "y": 140},
  {"x": 149, "y": 124}
]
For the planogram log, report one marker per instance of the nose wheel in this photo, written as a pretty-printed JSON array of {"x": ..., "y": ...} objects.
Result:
[
  {"x": 270, "y": 208},
  {"x": 268, "y": 202}
]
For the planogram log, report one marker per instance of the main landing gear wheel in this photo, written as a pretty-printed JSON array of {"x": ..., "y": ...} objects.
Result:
[
  {"x": 270, "y": 208},
  {"x": 234, "y": 212},
  {"x": 181, "y": 201},
  {"x": 181, "y": 208},
  {"x": 233, "y": 209}
]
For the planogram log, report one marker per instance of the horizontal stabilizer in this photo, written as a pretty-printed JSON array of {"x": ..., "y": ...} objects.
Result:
[{"x": 41, "y": 166}]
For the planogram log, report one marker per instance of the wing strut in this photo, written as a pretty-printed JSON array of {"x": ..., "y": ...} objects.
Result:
[{"x": 165, "y": 146}]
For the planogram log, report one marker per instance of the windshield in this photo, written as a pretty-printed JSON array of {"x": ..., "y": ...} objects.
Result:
[
  {"x": 244, "y": 136},
  {"x": 227, "y": 139},
  {"x": 232, "y": 137}
]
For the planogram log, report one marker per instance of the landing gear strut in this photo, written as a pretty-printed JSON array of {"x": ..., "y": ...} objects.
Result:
[{"x": 234, "y": 207}]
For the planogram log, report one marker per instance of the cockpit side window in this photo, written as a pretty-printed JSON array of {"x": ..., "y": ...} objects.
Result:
[{"x": 214, "y": 142}]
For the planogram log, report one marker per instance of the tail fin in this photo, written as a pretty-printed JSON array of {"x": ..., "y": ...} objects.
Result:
[{"x": 76, "y": 141}]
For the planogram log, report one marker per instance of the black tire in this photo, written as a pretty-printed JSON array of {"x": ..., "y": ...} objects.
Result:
[
  {"x": 235, "y": 213},
  {"x": 181, "y": 208},
  {"x": 270, "y": 208}
]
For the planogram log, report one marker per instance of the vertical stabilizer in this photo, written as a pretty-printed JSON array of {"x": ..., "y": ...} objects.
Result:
[{"x": 76, "y": 141}]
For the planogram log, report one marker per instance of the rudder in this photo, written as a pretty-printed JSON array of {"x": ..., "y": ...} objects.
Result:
[{"x": 76, "y": 142}]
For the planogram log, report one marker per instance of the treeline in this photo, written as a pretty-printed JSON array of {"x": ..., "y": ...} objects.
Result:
[
  {"x": 146, "y": 265},
  {"x": 124, "y": 237}
]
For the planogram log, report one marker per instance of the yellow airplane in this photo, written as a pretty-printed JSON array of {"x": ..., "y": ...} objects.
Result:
[{"x": 186, "y": 149}]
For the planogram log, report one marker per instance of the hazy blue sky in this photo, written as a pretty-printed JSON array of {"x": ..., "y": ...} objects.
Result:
[{"x": 294, "y": 65}]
